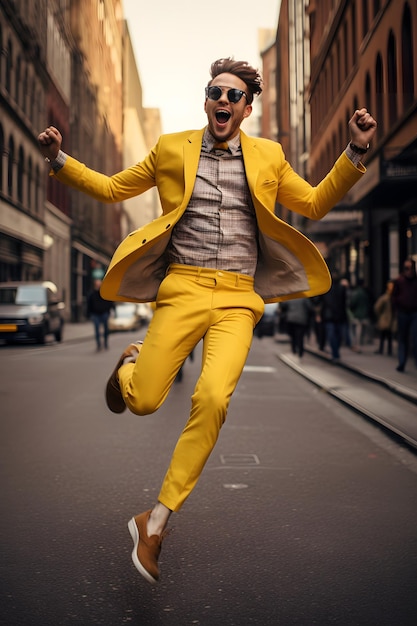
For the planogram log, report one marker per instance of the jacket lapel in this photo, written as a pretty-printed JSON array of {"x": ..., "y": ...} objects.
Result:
[
  {"x": 251, "y": 160},
  {"x": 192, "y": 149}
]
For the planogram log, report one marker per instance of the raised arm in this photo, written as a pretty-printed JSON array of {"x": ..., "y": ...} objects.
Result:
[{"x": 50, "y": 141}]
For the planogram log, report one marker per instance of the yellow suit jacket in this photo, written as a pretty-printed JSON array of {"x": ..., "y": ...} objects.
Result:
[{"x": 289, "y": 265}]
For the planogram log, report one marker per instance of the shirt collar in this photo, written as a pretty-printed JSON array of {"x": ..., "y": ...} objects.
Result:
[{"x": 209, "y": 141}]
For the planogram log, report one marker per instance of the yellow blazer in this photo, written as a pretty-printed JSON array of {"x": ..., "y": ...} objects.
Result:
[{"x": 289, "y": 265}]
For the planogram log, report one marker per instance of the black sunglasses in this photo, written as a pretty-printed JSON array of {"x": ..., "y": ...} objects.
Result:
[{"x": 233, "y": 95}]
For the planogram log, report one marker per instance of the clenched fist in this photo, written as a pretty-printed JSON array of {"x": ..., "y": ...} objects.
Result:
[{"x": 50, "y": 141}]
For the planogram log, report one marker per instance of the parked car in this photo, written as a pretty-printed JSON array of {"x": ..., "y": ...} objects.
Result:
[
  {"x": 30, "y": 311},
  {"x": 129, "y": 316},
  {"x": 267, "y": 325},
  {"x": 145, "y": 313}
]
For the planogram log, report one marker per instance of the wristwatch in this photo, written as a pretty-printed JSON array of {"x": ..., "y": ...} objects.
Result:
[{"x": 357, "y": 149}]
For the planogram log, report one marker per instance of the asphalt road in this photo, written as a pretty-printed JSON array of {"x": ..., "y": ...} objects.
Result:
[{"x": 305, "y": 514}]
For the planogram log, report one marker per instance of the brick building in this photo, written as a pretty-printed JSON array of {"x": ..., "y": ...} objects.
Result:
[{"x": 362, "y": 53}]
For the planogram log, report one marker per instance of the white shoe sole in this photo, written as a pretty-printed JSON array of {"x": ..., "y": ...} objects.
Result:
[{"x": 134, "y": 533}]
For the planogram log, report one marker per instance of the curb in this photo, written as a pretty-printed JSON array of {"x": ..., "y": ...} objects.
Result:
[{"x": 400, "y": 390}]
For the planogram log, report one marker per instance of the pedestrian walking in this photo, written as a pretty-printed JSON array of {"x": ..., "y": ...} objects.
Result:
[
  {"x": 385, "y": 319},
  {"x": 216, "y": 254},
  {"x": 299, "y": 314},
  {"x": 98, "y": 310},
  {"x": 359, "y": 305},
  {"x": 334, "y": 314},
  {"x": 318, "y": 323},
  {"x": 346, "y": 332},
  {"x": 404, "y": 300}
]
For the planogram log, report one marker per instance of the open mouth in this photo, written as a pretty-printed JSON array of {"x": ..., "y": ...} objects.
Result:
[{"x": 223, "y": 116}]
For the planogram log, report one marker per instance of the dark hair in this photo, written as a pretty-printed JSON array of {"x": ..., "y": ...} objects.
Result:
[
  {"x": 242, "y": 70},
  {"x": 410, "y": 261}
]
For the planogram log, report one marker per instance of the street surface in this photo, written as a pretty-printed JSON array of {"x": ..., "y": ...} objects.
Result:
[{"x": 306, "y": 514}]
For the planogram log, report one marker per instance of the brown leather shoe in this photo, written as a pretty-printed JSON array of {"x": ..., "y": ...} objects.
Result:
[
  {"x": 114, "y": 398},
  {"x": 146, "y": 549}
]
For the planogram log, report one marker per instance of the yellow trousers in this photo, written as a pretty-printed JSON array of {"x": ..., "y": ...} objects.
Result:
[{"x": 221, "y": 308}]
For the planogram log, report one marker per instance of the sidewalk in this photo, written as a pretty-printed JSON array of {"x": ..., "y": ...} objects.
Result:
[
  {"x": 378, "y": 367},
  {"x": 78, "y": 332}
]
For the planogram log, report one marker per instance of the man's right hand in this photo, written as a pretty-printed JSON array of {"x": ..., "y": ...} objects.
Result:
[{"x": 50, "y": 141}]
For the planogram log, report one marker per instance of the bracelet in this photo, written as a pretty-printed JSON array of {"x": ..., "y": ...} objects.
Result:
[{"x": 357, "y": 149}]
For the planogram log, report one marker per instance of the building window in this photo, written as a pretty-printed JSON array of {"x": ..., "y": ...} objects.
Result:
[
  {"x": 379, "y": 93},
  {"x": 368, "y": 95},
  {"x": 32, "y": 101},
  {"x": 18, "y": 80},
  {"x": 25, "y": 90},
  {"x": 9, "y": 57},
  {"x": 29, "y": 184},
  {"x": 338, "y": 70},
  {"x": 345, "y": 50},
  {"x": 392, "y": 80},
  {"x": 341, "y": 137},
  {"x": 1, "y": 54},
  {"x": 407, "y": 60},
  {"x": 2, "y": 154},
  {"x": 10, "y": 166},
  {"x": 365, "y": 20},
  {"x": 38, "y": 187},
  {"x": 20, "y": 172},
  {"x": 354, "y": 38}
]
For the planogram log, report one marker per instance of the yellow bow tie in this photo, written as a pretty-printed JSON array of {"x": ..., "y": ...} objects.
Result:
[{"x": 222, "y": 146}]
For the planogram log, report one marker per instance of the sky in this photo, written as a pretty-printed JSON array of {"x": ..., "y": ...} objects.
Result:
[{"x": 175, "y": 42}]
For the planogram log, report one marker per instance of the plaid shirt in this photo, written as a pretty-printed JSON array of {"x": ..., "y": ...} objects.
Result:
[{"x": 218, "y": 229}]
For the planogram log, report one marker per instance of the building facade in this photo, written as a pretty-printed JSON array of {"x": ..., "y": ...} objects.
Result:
[
  {"x": 23, "y": 88},
  {"x": 62, "y": 63},
  {"x": 141, "y": 130},
  {"x": 360, "y": 53},
  {"x": 364, "y": 54},
  {"x": 292, "y": 77}
]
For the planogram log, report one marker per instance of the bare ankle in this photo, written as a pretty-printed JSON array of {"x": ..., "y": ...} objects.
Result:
[{"x": 158, "y": 519}]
